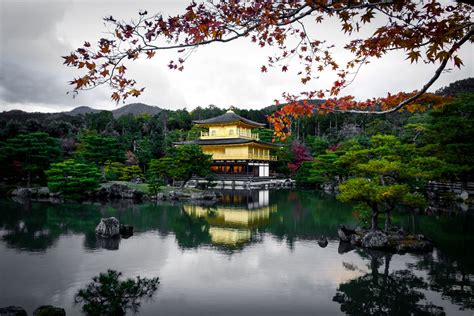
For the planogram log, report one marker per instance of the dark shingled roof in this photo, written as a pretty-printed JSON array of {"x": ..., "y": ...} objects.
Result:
[
  {"x": 229, "y": 117},
  {"x": 226, "y": 141}
]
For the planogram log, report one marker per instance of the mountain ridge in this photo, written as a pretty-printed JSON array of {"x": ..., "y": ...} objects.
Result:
[{"x": 132, "y": 108}]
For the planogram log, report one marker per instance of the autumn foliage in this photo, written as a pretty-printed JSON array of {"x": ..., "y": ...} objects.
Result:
[{"x": 426, "y": 31}]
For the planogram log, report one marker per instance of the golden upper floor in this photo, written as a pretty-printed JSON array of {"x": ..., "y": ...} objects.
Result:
[{"x": 229, "y": 125}]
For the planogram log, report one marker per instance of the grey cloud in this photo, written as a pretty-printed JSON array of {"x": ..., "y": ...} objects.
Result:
[
  {"x": 22, "y": 84},
  {"x": 35, "y": 34}
]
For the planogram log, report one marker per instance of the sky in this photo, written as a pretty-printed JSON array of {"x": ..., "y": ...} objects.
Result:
[{"x": 34, "y": 34}]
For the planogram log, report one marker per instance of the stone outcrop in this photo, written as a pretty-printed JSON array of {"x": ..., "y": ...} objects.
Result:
[
  {"x": 12, "y": 311},
  {"x": 345, "y": 233},
  {"x": 395, "y": 240},
  {"x": 118, "y": 191},
  {"x": 178, "y": 195},
  {"x": 49, "y": 310},
  {"x": 374, "y": 240},
  {"x": 108, "y": 228}
]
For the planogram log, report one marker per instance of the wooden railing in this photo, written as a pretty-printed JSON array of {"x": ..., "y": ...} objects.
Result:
[
  {"x": 243, "y": 157},
  {"x": 240, "y": 134}
]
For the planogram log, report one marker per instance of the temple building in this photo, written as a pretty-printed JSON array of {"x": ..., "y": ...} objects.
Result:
[{"x": 234, "y": 148}]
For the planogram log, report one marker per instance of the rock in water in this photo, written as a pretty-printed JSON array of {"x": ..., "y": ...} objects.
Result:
[
  {"x": 126, "y": 230},
  {"x": 48, "y": 310},
  {"x": 108, "y": 227},
  {"x": 322, "y": 242},
  {"x": 12, "y": 311},
  {"x": 345, "y": 234},
  {"x": 375, "y": 239}
]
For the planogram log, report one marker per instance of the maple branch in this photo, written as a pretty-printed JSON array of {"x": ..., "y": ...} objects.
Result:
[
  {"x": 433, "y": 79},
  {"x": 350, "y": 7}
]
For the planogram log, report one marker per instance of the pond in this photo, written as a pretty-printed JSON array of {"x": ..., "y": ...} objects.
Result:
[{"x": 253, "y": 253}]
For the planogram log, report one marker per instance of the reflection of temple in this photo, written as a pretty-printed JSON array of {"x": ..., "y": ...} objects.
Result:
[{"x": 233, "y": 221}]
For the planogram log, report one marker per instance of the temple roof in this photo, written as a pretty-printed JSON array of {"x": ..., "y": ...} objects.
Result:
[
  {"x": 228, "y": 117},
  {"x": 226, "y": 141}
]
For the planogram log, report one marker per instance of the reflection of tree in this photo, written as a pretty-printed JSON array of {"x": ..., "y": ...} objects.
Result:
[
  {"x": 447, "y": 277},
  {"x": 375, "y": 293},
  {"x": 107, "y": 295},
  {"x": 25, "y": 227},
  {"x": 191, "y": 231}
]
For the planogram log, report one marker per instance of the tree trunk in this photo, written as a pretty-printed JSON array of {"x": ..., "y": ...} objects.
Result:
[
  {"x": 374, "y": 267},
  {"x": 375, "y": 218},
  {"x": 28, "y": 180},
  {"x": 102, "y": 171},
  {"x": 388, "y": 219},
  {"x": 185, "y": 181}
]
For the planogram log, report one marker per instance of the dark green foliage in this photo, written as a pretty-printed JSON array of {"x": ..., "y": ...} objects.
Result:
[
  {"x": 98, "y": 149},
  {"x": 108, "y": 295},
  {"x": 28, "y": 155},
  {"x": 154, "y": 183},
  {"x": 100, "y": 121},
  {"x": 74, "y": 179},
  {"x": 284, "y": 157},
  {"x": 181, "y": 164},
  {"x": 195, "y": 132},
  {"x": 385, "y": 175},
  {"x": 265, "y": 134},
  {"x": 319, "y": 171},
  {"x": 119, "y": 171},
  {"x": 317, "y": 145},
  {"x": 200, "y": 113},
  {"x": 458, "y": 87},
  {"x": 451, "y": 131},
  {"x": 161, "y": 169}
]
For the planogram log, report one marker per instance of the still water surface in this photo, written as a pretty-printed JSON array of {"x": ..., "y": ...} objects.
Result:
[{"x": 253, "y": 253}]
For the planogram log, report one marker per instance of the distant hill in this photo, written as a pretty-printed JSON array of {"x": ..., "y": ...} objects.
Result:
[
  {"x": 137, "y": 109},
  {"x": 133, "y": 108},
  {"x": 82, "y": 110},
  {"x": 457, "y": 87}
]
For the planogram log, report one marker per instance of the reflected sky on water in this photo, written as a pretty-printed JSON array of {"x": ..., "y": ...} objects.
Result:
[{"x": 254, "y": 252}]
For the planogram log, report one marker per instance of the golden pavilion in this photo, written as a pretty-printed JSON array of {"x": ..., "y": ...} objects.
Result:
[{"x": 235, "y": 149}]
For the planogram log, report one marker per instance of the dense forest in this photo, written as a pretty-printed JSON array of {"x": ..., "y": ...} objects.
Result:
[{"x": 121, "y": 147}]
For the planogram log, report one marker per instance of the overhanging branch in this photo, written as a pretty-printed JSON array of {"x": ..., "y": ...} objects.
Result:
[{"x": 433, "y": 79}]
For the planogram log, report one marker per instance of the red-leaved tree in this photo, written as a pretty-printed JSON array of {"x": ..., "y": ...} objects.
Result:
[
  {"x": 430, "y": 32},
  {"x": 300, "y": 154}
]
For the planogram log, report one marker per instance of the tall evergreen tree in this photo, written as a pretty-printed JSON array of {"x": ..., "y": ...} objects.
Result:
[{"x": 29, "y": 154}]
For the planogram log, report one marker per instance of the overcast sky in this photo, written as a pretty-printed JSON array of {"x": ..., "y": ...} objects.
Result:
[{"x": 35, "y": 34}]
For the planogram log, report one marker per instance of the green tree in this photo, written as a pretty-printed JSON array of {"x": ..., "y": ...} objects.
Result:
[
  {"x": 100, "y": 121},
  {"x": 451, "y": 130},
  {"x": 108, "y": 295},
  {"x": 72, "y": 178},
  {"x": 317, "y": 145},
  {"x": 181, "y": 164},
  {"x": 319, "y": 171},
  {"x": 387, "y": 174},
  {"x": 98, "y": 149},
  {"x": 32, "y": 153}
]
